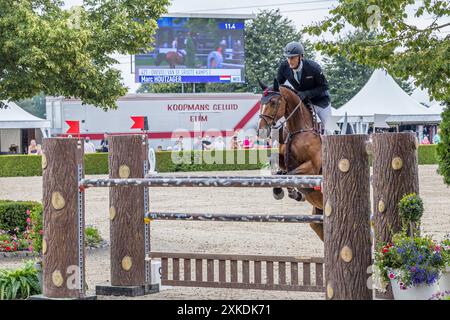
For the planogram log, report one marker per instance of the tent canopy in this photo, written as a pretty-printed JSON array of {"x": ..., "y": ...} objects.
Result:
[
  {"x": 14, "y": 117},
  {"x": 382, "y": 95}
]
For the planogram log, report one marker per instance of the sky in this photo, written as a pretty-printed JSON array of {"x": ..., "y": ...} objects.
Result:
[{"x": 300, "y": 12}]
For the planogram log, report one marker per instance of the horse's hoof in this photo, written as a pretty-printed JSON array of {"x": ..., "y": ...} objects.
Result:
[
  {"x": 297, "y": 195},
  {"x": 278, "y": 193}
]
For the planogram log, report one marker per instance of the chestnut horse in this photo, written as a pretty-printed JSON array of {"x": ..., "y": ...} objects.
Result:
[
  {"x": 301, "y": 152},
  {"x": 173, "y": 58}
]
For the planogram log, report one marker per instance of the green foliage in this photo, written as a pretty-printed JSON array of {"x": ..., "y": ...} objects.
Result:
[
  {"x": 443, "y": 148},
  {"x": 35, "y": 105},
  {"x": 13, "y": 214},
  {"x": 36, "y": 228},
  {"x": 403, "y": 49},
  {"x": 20, "y": 165},
  {"x": 20, "y": 283},
  {"x": 92, "y": 236},
  {"x": 97, "y": 163},
  {"x": 427, "y": 154},
  {"x": 410, "y": 208},
  {"x": 45, "y": 49},
  {"x": 409, "y": 260},
  {"x": 445, "y": 247}
]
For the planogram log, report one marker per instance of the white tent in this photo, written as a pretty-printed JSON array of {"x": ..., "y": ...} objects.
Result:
[
  {"x": 15, "y": 125},
  {"x": 381, "y": 95},
  {"x": 14, "y": 117},
  {"x": 423, "y": 97},
  {"x": 436, "y": 108}
]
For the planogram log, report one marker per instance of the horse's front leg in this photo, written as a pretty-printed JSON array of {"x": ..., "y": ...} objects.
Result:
[
  {"x": 301, "y": 194},
  {"x": 278, "y": 193}
]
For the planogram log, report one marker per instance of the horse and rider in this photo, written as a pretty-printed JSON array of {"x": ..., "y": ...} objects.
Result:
[{"x": 295, "y": 109}]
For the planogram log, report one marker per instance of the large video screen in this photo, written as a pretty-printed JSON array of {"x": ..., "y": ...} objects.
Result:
[{"x": 194, "y": 50}]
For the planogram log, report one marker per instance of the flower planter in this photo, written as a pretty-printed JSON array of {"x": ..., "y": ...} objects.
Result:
[
  {"x": 420, "y": 292},
  {"x": 444, "y": 281}
]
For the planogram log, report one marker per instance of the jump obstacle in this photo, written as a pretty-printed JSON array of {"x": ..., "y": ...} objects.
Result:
[{"x": 341, "y": 274}]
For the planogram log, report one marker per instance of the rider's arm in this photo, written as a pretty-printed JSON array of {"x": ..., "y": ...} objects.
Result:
[
  {"x": 281, "y": 75},
  {"x": 320, "y": 88}
]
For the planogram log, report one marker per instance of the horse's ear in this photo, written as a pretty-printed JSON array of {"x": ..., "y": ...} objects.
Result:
[
  {"x": 262, "y": 85},
  {"x": 276, "y": 85}
]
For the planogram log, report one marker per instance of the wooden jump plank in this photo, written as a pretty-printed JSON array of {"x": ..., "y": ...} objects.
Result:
[
  {"x": 176, "y": 269},
  {"x": 222, "y": 271},
  {"x": 246, "y": 271},
  {"x": 234, "y": 271},
  {"x": 282, "y": 273},
  {"x": 199, "y": 270},
  {"x": 306, "y": 274},
  {"x": 269, "y": 269},
  {"x": 236, "y": 257},
  {"x": 319, "y": 274},
  {"x": 210, "y": 270},
  {"x": 187, "y": 269},
  {"x": 294, "y": 273},
  {"x": 257, "y": 269},
  {"x": 261, "y": 286}
]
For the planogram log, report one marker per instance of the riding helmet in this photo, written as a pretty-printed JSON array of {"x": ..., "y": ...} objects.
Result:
[{"x": 293, "y": 49}]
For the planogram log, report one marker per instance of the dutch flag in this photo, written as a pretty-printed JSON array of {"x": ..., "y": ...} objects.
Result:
[{"x": 225, "y": 78}]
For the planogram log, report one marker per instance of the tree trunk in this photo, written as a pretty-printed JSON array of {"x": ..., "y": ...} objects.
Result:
[
  {"x": 395, "y": 174},
  {"x": 126, "y": 160},
  {"x": 63, "y": 240},
  {"x": 346, "y": 191}
]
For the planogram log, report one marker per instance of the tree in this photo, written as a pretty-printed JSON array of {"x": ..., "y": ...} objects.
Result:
[
  {"x": 265, "y": 38},
  {"x": 35, "y": 105},
  {"x": 346, "y": 78},
  {"x": 45, "y": 49},
  {"x": 404, "y": 50}
]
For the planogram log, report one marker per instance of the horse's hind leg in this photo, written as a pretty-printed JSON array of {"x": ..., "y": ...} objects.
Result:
[{"x": 317, "y": 227}]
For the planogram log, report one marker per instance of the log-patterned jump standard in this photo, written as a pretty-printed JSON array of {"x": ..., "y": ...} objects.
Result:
[
  {"x": 346, "y": 220},
  {"x": 63, "y": 240},
  {"x": 395, "y": 174},
  {"x": 346, "y": 200}
]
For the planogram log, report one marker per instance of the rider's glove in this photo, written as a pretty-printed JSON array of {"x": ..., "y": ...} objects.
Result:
[{"x": 303, "y": 96}]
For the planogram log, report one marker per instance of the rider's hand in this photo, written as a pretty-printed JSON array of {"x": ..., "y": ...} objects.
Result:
[{"x": 303, "y": 96}]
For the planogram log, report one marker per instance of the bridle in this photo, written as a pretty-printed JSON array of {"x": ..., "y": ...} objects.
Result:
[{"x": 272, "y": 123}]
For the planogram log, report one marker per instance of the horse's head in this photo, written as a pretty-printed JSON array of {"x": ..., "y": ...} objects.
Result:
[{"x": 272, "y": 108}]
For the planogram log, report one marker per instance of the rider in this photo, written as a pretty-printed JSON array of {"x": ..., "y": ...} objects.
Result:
[{"x": 307, "y": 78}]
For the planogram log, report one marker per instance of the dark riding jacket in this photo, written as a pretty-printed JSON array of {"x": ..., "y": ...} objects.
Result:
[{"x": 313, "y": 86}]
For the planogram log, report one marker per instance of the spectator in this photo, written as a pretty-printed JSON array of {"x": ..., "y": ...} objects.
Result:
[
  {"x": 159, "y": 148},
  {"x": 425, "y": 140},
  {"x": 198, "y": 145},
  {"x": 206, "y": 143},
  {"x": 88, "y": 146},
  {"x": 32, "y": 148},
  {"x": 104, "y": 143},
  {"x": 179, "y": 144},
  {"x": 39, "y": 149},
  {"x": 234, "y": 143},
  {"x": 219, "y": 144},
  {"x": 246, "y": 143},
  {"x": 437, "y": 137}
]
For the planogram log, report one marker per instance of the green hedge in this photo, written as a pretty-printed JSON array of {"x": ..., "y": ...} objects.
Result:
[
  {"x": 14, "y": 214},
  {"x": 97, "y": 163},
  {"x": 427, "y": 154}
]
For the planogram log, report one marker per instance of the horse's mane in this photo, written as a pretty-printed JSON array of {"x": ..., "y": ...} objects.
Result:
[{"x": 289, "y": 88}]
